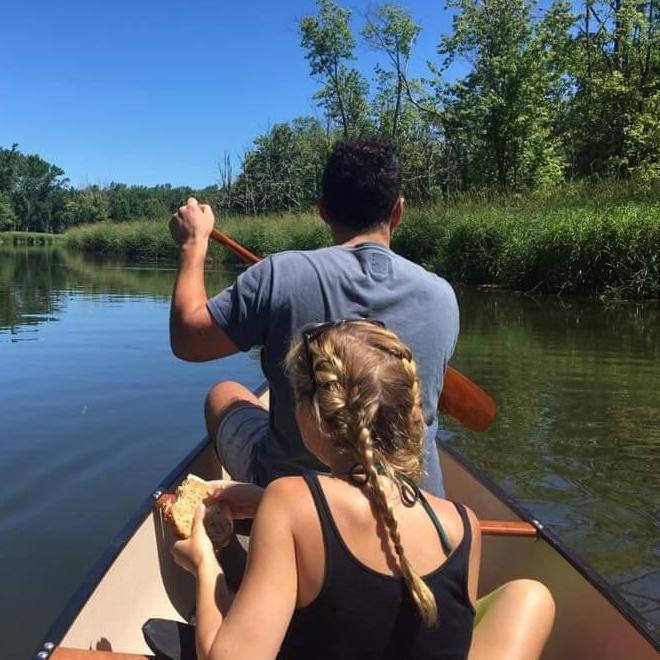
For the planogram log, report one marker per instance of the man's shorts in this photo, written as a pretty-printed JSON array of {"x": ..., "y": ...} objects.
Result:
[{"x": 237, "y": 442}]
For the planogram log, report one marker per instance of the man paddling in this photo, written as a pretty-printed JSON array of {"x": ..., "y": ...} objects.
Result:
[{"x": 269, "y": 304}]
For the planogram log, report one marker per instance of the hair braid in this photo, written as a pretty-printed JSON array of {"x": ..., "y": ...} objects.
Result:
[
  {"x": 367, "y": 400},
  {"x": 414, "y": 422},
  {"x": 419, "y": 590}
]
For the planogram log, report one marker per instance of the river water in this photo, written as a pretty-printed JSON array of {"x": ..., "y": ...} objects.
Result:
[{"x": 94, "y": 410}]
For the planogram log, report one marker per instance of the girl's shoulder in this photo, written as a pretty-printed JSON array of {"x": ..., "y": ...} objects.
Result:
[
  {"x": 286, "y": 490},
  {"x": 285, "y": 486},
  {"x": 292, "y": 495},
  {"x": 294, "y": 490}
]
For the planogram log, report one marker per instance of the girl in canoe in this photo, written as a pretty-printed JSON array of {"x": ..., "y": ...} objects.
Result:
[{"x": 359, "y": 563}]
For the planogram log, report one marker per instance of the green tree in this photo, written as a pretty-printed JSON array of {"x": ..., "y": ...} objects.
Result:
[
  {"x": 329, "y": 43},
  {"x": 119, "y": 202},
  {"x": 36, "y": 186},
  {"x": 282, "y": 171},
  {"x": 502, "y": 113},
  {"x": 414, "y": 127},
  {"x": 10, "y": 160},
  {"x": 389, "y": 29},
  {"x": 615, "y": 112},
  {"x": 86, "y": 205},
  {"x": 7, "y": 215}
]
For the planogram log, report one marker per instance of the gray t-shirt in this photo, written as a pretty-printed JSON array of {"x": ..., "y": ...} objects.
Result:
[{"x": 272, "y": 301}]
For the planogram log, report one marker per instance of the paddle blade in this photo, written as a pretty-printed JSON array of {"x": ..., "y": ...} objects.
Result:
[{"x": 466, "y": 402}]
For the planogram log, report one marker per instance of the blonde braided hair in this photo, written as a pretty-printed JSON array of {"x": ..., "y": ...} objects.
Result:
[{"x": 367, "y": 401}]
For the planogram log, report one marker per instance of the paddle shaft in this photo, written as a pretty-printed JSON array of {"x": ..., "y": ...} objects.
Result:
[
  {"x": 236, "y": 248},
  {"x": 461, "y": 398}
]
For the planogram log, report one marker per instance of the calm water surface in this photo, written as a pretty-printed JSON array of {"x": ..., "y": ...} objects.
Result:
[{"x": 94, "y": 410}]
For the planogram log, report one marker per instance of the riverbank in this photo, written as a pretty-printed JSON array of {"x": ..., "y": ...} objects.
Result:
[
  {"x": 28, "y": 238},
  {"x": 597, "y": 240}
]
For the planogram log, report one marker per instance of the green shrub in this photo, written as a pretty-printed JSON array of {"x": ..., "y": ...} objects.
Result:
[{"x": 422, "y": 234}]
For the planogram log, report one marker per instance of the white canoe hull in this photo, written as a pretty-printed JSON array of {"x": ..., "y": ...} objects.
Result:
[{"x": 137, "y": 580}]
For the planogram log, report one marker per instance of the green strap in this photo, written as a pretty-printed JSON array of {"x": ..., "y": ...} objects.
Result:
[
  {"x": 418, "y": 495},
  {"x": 446, "y": 546}
]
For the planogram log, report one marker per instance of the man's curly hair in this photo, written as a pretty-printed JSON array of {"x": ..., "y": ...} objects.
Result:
[{"x": 361, "y": 183}]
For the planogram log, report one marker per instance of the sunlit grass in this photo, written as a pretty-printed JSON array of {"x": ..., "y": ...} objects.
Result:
[
  {"x": 27, "y": 238},
  {"x": 597, "y": 240}
]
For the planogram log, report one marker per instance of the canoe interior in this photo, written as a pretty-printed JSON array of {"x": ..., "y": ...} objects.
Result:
[
  {"x": 143, "y": 582},
  {"x": 588, "y": 625}
]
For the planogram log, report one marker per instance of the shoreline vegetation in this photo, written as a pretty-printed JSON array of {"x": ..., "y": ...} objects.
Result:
[
  {"x": 28, "y": 238},
  {"x": 598, "y": 240},
  {"x": 537, "y": 168},
  {"x": 544, "y": 95}
]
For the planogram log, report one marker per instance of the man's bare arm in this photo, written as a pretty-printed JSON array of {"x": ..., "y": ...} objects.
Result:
[{"x": 194, "y": 335}]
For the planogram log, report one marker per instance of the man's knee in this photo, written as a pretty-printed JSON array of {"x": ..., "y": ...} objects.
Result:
[{"x": 221, "y": 398}]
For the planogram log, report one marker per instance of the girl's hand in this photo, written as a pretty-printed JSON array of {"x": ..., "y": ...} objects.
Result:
[
  {"x": 197, "y": 552},
  {"x": 242, "y": 499}
]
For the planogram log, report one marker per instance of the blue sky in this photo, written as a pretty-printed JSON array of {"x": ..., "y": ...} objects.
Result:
[{"x": 157, "y": 91}]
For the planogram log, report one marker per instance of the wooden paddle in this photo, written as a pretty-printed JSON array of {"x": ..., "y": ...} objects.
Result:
[
  {"x": 461, "y": 399},
  {"x": 236, "y": 248},
  {"x": 465, "y": 401}
]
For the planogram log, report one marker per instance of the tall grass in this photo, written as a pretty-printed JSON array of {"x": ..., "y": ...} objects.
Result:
[
  {"x": 613, "y": 251},
  {"x": 595, "y": 240},
  {"x": 27, "y": 238},
  {"x": 150, "y": 239}
]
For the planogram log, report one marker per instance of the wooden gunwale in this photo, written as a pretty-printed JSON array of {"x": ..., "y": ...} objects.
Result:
[
  {"x": 81, "y": 654},
  {"x": 507, "y": 528}
]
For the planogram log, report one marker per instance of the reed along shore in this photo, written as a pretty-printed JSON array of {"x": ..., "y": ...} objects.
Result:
[
  {"x": 28, "y": 238},
  {"x": 599, "y": 240}
]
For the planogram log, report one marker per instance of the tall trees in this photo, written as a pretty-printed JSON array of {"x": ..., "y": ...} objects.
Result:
[
  {"x": 390, "y": 30},
  {"x": 7, "y": 214},
  {"x": 329, "y": 45},
  {"x": 413, "y": 128},
  {"x": 282, "y": 170},
  {"x": 504, "y": 110},
  {"x": 615, "y": 111},
  {"x": 542, "y": 94},
  {"x": 494, "y": 126},
  {"x": 32, "y": 187},
  {"x": 9, "y": 159}
]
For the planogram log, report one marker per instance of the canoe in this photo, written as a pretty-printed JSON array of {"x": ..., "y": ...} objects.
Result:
[{"x": 136, "y": 579}]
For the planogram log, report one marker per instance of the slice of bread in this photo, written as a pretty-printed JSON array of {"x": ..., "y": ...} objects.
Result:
[{"x": 179, "y": 511}]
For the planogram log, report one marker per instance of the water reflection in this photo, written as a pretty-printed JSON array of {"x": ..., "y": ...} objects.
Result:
[
  {"x": 36, "y": 282},
  {"x": 577, "y": 438},
  {"x": 26, "y": 287}
]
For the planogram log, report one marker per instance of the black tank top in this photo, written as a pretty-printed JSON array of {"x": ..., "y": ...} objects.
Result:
[{"x": 363, "y": 614}]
